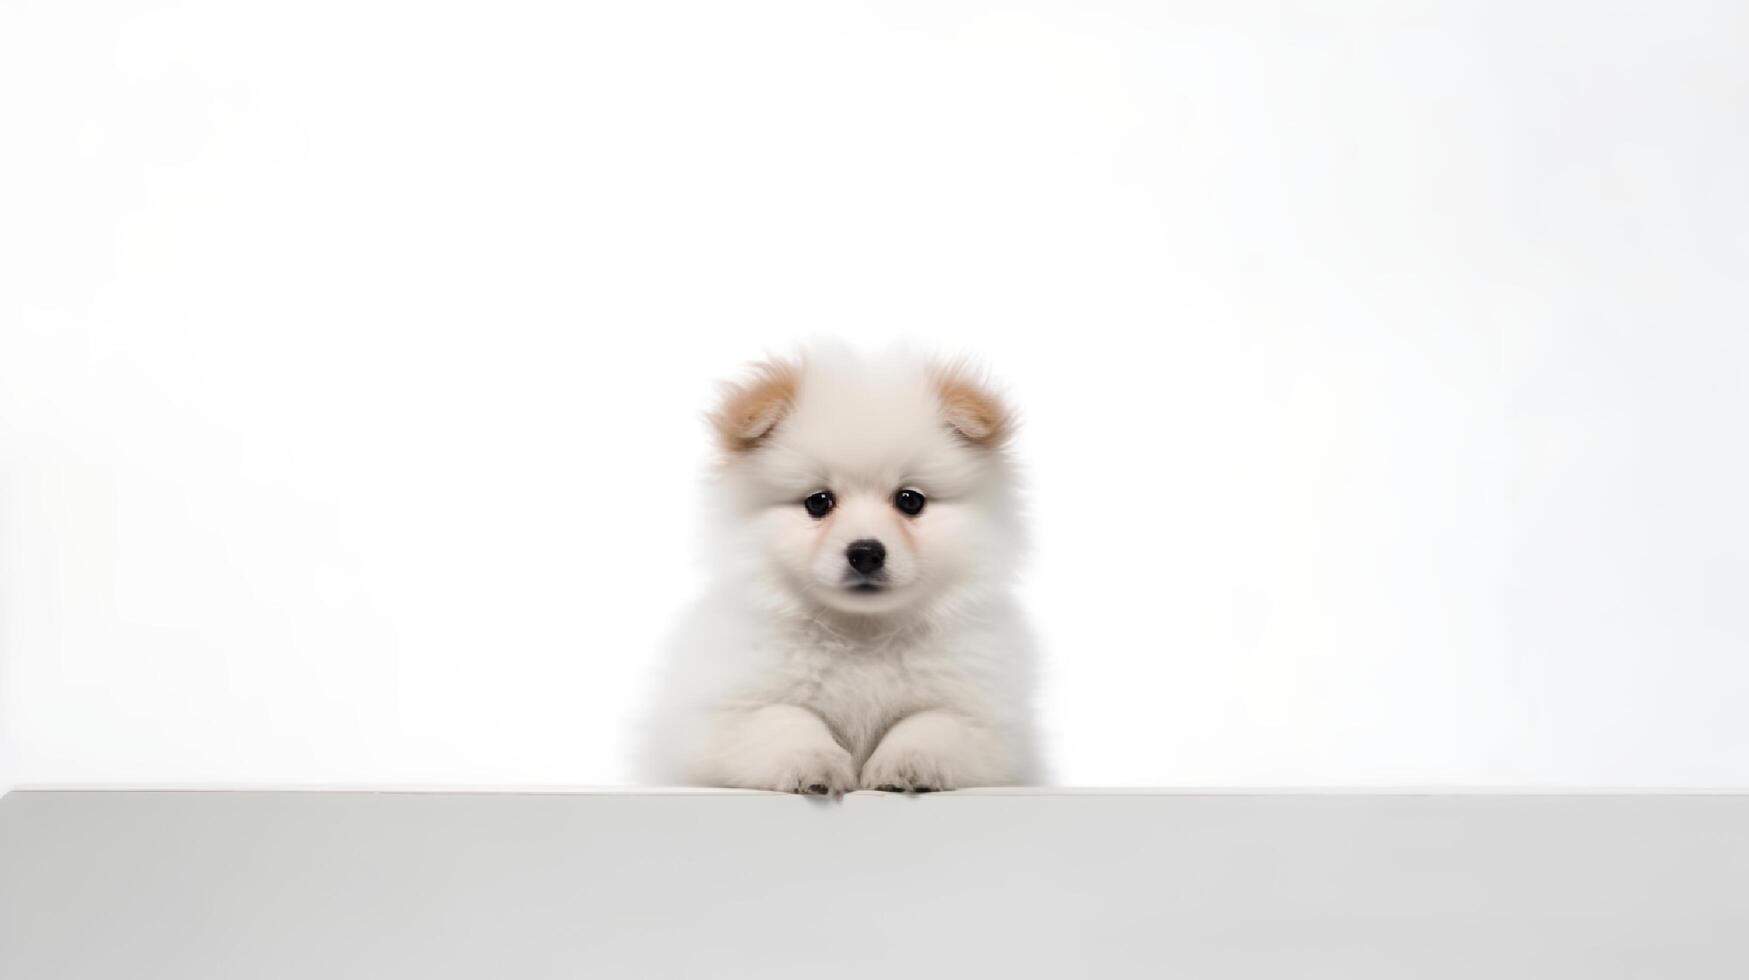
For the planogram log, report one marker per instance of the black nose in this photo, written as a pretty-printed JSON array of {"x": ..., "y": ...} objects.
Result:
[{"x": 866, "y": 556}]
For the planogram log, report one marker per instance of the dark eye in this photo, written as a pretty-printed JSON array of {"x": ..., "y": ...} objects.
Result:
[
  {"x": 820, "y": 504},
  {"x": 909, "y": 502}
]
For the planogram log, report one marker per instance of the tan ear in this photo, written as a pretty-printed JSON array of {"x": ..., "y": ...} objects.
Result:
[
  {"x": 750, "y": 409},
  {"x": 970, "y": 408}
]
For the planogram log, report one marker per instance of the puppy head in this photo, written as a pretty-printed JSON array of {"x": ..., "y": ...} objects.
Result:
[{"x": 869, "y": 486}]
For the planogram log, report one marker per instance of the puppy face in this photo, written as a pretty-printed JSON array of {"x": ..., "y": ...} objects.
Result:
[{"x": 866, "y": 486}]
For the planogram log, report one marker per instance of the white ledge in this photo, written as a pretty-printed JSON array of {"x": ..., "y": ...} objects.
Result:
[
  {"x": 544, "y": 789},
  {"x": 1016, "y": 882}
]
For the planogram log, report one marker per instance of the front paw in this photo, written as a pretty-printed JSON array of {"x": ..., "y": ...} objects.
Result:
[
  {"x": 819, "y": 771},
  {"x": 905, "y": 770}
]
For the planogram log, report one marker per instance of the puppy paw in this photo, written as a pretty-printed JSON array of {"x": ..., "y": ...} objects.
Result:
[
  {"x": 905, "y": 770},
  {"x": 780, "y": 747},
  {"x": 811, "y": 772}
]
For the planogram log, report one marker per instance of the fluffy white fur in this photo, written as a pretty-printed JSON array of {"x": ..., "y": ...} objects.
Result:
[{"x": 784, "y": 677}]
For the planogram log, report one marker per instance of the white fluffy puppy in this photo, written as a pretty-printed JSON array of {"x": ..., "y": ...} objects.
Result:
[{"x": 860, "y": 633}]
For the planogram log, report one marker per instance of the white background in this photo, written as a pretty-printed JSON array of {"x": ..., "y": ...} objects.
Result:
[{"x": 1386, "y": 369}]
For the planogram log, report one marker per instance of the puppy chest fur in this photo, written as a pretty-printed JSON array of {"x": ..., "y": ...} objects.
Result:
[{"x": 860, "y": 688}]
